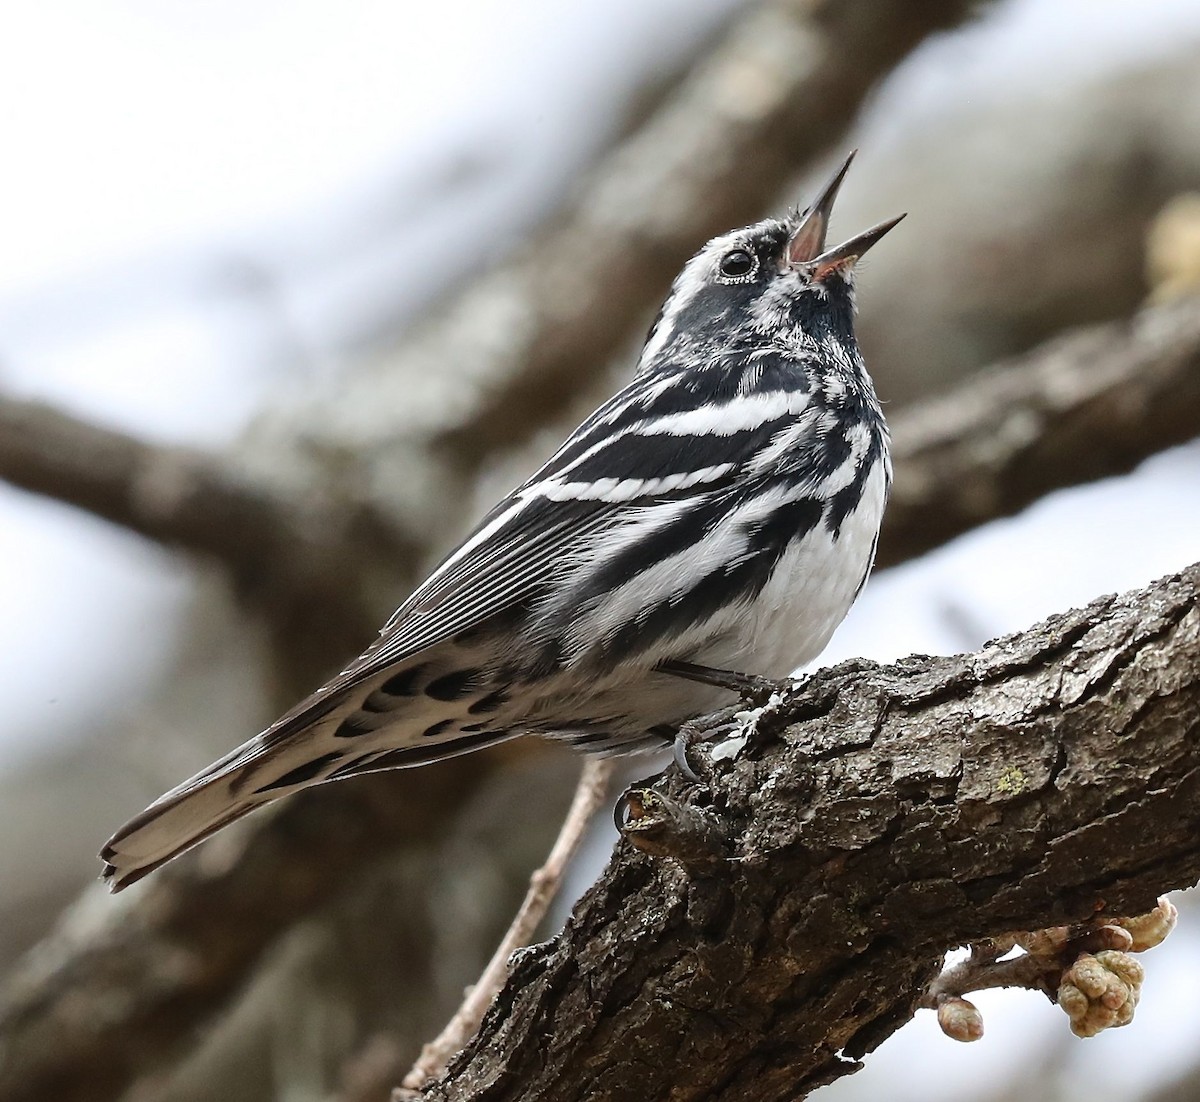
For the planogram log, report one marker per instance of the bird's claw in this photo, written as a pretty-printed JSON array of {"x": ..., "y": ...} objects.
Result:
[
  {"x": 683, "y": 743},
  {"x": 700, "y": 730}
]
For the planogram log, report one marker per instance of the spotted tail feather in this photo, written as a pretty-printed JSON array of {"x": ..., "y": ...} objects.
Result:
[{"x": 331, "y": 736}]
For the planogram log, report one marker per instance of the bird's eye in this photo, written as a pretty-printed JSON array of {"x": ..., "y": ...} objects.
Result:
[{"x": 738, "y": 264}]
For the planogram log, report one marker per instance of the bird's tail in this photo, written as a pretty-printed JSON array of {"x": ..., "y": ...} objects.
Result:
[
  {"x": 187, "y": 815},
  {"x": 327, "y": 737}
]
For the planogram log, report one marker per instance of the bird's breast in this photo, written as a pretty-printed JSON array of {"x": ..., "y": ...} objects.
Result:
[{"x": 809, "y": 591}]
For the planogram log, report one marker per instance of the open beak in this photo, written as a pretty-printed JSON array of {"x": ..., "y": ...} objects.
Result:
[
  {"x": 808, "y": 239},
  {"x": 843, "y": 256},
  {"x": 806, "y": 247}
]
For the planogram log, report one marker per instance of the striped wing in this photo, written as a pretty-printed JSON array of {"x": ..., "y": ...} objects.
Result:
[{"x": 633, "y": 467}]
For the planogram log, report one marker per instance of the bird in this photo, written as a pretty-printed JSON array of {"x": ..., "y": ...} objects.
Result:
[{"x": 713, "y": 520}]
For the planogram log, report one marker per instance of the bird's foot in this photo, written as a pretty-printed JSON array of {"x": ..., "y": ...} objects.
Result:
[
  {"x": 704, "y": 729},
  {"x": 754, "y": 690}
]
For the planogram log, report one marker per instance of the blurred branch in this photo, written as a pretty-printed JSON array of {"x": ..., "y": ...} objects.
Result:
[
  {"x": 122, "y": 985},
  {"x": 782, "y": 86},
  {"x": 1047, "y": 779},
  {"x": 289, "y": 552},
  {"x": 1087, "y": 405},
  {"x": 170, "y": 494},
  {"x": 1084, "y": 406},
  {"x": 785, "y": 82}
]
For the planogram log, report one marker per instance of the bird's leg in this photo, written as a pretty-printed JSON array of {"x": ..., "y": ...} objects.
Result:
[{"x": 749, "y": 686}]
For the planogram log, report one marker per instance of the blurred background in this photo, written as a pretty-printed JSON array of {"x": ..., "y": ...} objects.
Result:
[{"x": 360, "y": 266}]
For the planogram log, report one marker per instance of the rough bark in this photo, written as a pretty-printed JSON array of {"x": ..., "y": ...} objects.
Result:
[{"x": 885, "y": 814}]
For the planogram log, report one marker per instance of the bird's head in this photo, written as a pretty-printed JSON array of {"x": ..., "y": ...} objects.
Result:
[{"x": 774, "y": 281}]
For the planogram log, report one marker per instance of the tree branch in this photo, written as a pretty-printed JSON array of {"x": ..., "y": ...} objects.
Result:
[
  {"x": 502, "y": 395},
  {"x": 1102, "y": 397},
  {"x": 169, "y": 494},
  {"x": 1084, "y": 406},
  {"x": 1087, "y": 405},
  {"x": 894, "y": 812}
]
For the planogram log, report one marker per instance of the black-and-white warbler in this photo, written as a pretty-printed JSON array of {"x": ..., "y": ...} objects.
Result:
[{"x": 720, "y": 511}]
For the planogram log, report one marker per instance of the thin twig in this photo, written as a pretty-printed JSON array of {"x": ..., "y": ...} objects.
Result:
[
  {"x": 1024, "y": 970},
  {"x": 544, "y": 884}
]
